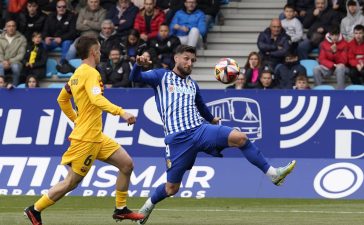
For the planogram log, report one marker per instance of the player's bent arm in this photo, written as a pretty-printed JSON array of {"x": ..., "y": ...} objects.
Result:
[
  {"x": 201, "y": 106},
  {"x": 64, "y": 101}
]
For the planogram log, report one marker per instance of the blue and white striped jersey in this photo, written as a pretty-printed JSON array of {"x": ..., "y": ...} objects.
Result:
[{"x": 179, "y": 102}]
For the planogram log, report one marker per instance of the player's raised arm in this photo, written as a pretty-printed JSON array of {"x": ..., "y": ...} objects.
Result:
[
  {"x": 64, "y": 101},
  {"x": 150, "y": 77}
]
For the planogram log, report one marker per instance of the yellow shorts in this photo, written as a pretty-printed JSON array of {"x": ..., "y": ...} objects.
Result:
[{"x": 81, "y": 154}]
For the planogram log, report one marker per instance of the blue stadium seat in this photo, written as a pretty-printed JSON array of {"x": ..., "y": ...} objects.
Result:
[
  {"x": 21, "y": 85},
  {"x": 323, "y": 87},
  {"x": 56, "y": 85},
  {"x": 76, "y": 62},
  {"x": 355, "y": 87},
  {"x": 309, "y": 64},
  {"x": 51, "y": 67}
]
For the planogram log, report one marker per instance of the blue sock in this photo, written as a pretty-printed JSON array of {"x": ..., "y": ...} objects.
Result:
[
  {"x": 159, "y": 194},
  {"x": 255, "y": 156}
]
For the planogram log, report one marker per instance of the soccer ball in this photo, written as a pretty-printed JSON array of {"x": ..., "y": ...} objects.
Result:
[{"x": 227, "y": 70}]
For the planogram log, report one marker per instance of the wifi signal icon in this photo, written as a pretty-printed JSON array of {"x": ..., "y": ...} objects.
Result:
[{"x": 304, "y": 118}]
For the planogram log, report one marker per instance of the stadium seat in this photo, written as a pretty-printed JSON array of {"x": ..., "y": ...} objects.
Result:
[
  {"x": 56, "y": 85},
  {"x": 21, "y": 85},
  {"x": 323, "y": 87},
  {"x": 355, "y": 87},
  {"x": 309, "y": 64},
  {"x": 51, "y": 67}
]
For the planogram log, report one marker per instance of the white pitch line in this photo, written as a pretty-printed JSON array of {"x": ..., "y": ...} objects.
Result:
[{"x": 258, "y": 211}]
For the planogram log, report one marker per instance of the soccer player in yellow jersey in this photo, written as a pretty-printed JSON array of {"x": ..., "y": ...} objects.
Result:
[{"x": 87, "y": 140}]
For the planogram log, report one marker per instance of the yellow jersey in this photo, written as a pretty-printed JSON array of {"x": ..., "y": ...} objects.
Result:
[{"x": 87, "y": 89}]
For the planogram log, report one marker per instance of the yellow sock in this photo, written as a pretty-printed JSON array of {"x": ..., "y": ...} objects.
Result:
[
  {"x": 43, "y": 202},
  {"x": 120, "y": 199}
]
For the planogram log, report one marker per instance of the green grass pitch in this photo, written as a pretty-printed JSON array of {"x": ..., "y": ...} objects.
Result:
[{"x": 219, "y": 211}]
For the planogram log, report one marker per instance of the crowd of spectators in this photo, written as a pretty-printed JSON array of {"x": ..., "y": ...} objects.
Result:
[{"x": 125, "y": 29}]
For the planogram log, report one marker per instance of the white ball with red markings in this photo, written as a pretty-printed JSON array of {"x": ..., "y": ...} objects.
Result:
[{"x": 227, "y": 70}]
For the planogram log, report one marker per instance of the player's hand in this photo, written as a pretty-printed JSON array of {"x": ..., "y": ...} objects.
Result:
[
  {"x": 130, "y": 118},
  {"x": 142, "y": 61},
  {"x": 216, "y": 120}
]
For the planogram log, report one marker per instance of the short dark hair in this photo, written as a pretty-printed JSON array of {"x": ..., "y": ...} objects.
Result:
[
  {"x": 185, "y": 48},
  {"x": 351, "y": 2},
  {"x": 335, "y": 29},
  {"x": 289, "y": 6},
  {"x": 84, "y": 45},
  {"x": 33, "y": 2},
  {"x": 301, "y": 77},
  {"x": 359, "y": 27}
]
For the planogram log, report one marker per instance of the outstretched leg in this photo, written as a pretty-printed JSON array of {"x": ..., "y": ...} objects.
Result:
[{"x": 255, "y": 157}]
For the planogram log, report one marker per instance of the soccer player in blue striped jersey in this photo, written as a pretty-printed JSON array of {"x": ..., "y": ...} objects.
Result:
[{"x": 189, "y": 127}]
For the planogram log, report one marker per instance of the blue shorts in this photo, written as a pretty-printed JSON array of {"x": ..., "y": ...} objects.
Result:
[{"x": 182, "y": 148}]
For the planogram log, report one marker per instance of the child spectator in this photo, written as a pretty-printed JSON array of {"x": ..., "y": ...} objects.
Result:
[
  {"x": 31, "y": 82},
  {"x": 266, "y": 80},
  {"x": 132, "y": 46},
  {"x": 292, "y": 26},
  {"x": 35, "y": 57},
  {"x": 301, "y": 82}
]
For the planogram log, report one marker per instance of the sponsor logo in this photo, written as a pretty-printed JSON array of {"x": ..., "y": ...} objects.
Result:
[
  {"x": 338, "y": 180},
  {"x": 242, "y": 114},
  {"x": 299, "y": 115}
]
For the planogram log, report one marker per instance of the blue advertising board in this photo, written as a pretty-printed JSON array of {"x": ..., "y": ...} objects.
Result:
[{"x": 322, "y": 130}]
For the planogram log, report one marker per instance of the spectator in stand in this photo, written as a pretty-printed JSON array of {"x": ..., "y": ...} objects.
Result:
[
  {"x": 252, "y": 69},
  {"x": 14, "y": 9},
  {"x": 266, "y": 80},
  {"x": 163, "y": 46},
  {"x": 48, "y": 6},
  {"x": 115, "y": 72},
  {"x": 123, "y": 16},
  {"x": 353, "y": 18},
  {"x": 287, "y": 72},
  {"x": 132, "y": 46},
  {"x": 240, "y": 82},
  {"x": 318, "y": 21},
  {"x": 12, "y": 50},
  {"x": 31, "y": 82},
  {"x": 31, "y": 20},
  {"x": 302, "y": 7},
  {"x": 292, "y": 26},
  {"x": 108, "y": 39},
  {"x": 88, "y": 23},
  {"x": 60, "y": 29},
  {"x": 4, "y": 83},
  {"x": 189, "y": 24},
  {"x": 35, "y": 58},
  {"x": 273, "y": 44},
  {"x": 356, "y": 55},
  {"x": 338, "y": 6},
  {"x": 174, "y": 6},
  {"x": 301, "y": 82},
  {"x": 148, "y": 20},
  {"x": 332, "y": 58},
  {"x": 211, "y": 8}
]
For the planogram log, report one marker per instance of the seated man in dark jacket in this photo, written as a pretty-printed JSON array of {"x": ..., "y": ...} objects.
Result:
[
  {"x": 287, "y": 72},
  {"x": 60, "y": 29},
  {"x": 273, "y": 44},
  {"x": 108, "y": 39},
  {"x": 163, "y": 46},
  {"x": 31, "y": 20},
  {"x": 115, "y": 73}
]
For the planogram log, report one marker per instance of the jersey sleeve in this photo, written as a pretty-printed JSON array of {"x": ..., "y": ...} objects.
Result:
[
  {"x": 95, "y": 94},
  {"x": 150, "y": 77},
  {"x": 201, "y": 106},
  {"x": 64, "y": 101}
]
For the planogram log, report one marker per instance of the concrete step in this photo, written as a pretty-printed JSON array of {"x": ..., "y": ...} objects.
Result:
[
  {"x": 230, "y": 34},
  {"x": 261, "y": 24},
  {"x": 256, "y": 5},
  {"x": 272, "y": 13},
  {"x": 236, "y": 29},
  {"x": 230, "y": 46}
]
